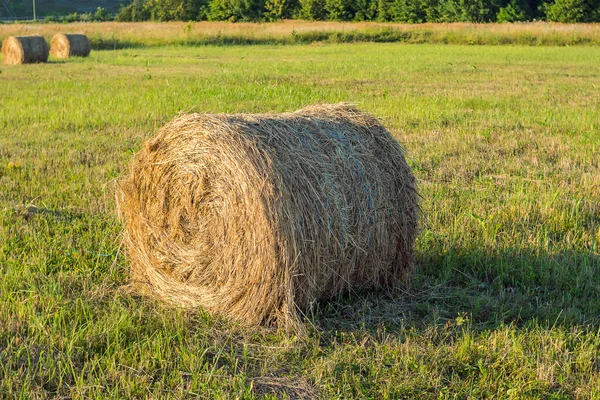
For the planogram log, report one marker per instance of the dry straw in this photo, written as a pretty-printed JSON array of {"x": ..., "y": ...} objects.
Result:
[
  {"x": 258, "y": 216},
  {"x": 24, "y": 50},
  {"x": 70, "y": 45}
]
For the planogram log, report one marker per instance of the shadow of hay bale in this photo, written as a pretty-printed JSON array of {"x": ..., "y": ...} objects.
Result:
[
  {"x": 30, "y": 211},
  {"x": 475, "y": 284}
]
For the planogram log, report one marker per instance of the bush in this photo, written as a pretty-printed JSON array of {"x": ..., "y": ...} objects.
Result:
[
  {"x": 279, "y": 9},
  {"x": 572, "y": 11},
  {"x": 102, "y": 15},
  {"x": 85, "y": 17},
  {"x": 339, "y": 10},
  {"x": 513, "y": 12},
  {"x": 135, "y": 11},
  {"x": 384, "y": 10},
  {"x": 462, "y": 11},
  {"x": 411, "y": 11},
  {"x": 366, "y": 10},
  {"x": 474, "y": 11},
  {"x": 165, "y": 10},
  {"x": 235, "y": 10},
  {"x": 196, "y": 10},
  {"x": 312, "y": 10},
  {"x": 74, "y": 17}
]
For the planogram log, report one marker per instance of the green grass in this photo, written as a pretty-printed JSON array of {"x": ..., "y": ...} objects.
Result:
[{"x": 506, "y": 299}]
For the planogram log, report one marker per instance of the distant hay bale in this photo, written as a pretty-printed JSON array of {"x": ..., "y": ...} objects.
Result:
[
  {"x": 66, "y": 45},
  {"x": 24, "y": 50},
  {"x": 257, "y": 216}
]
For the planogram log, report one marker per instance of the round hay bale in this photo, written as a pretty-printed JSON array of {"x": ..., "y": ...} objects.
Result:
[
  {"x": 258, "y": 216},
  {"x": 66, "y": 45},
  {"x": 24, "y": 50}
]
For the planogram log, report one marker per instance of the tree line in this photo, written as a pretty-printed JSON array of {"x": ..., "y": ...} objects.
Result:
[{"x": 407, "y": 11}]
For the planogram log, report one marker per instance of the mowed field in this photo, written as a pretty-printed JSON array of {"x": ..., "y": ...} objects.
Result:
[{"x": 505, "y": 301}]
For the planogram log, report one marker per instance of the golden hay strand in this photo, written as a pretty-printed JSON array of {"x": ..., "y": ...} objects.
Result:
[
  {"x": 258, "y": 216},
  {"x": 70, "y": 45},
  {"x": 24, "y": 50}
]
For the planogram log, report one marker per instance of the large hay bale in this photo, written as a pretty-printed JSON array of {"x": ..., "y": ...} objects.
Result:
[
  {"x": 256, "y": 216},
  {"x": 66, "y": 45},
  {"x": 24, "y": 50}
]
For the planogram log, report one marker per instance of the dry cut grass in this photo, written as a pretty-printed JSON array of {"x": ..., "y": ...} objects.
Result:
[{"x": 119, "y": 35}]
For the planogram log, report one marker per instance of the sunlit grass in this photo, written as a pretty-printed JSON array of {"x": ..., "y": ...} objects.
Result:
[{"x": 506, "y": 299}]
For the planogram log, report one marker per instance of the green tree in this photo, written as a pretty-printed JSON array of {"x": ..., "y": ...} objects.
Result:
[
  {"x": 235, "y": 10},
  {"x": 463, "y": 11},
  {"x": 165, "y": 10},
  {"x": 572, "y": 10},
  {"x": 448, "y": 11},
  {"x": 411, "y": 11},
  {"x": 196, "y": 10},
  {"x": 339, "y": 10},
  {"x": 280, "y": 9},
  {"x": 312, "y": 10},
  {"x": 431, "y": 9},
  {"x": 512, "y": 12},
  {"x": 102, "y": 15},
  {"x": 474, "y": 11},
  {"x": 385, "y": 10},
  {"x": 133, "y": 12},
  {"x": 366, "y": 10}
]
